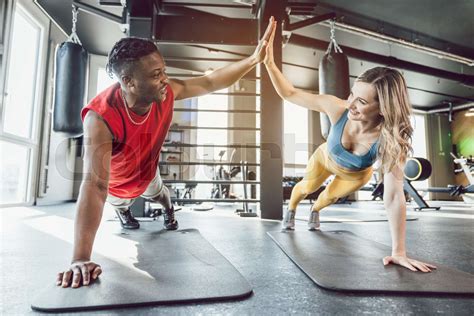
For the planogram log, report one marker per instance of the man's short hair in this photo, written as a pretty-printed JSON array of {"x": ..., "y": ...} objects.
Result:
[{"x": 126, "y": 52}]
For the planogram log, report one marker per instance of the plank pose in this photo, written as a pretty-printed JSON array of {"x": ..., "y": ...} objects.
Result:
[
  {"x": 373, "y": 123},
  {"x": 124, "y": 129}
]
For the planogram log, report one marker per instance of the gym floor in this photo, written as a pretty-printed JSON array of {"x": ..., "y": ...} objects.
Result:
[{"x": 29, "y": 263}]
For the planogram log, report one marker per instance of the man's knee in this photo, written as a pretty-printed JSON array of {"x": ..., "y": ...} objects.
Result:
[
  {"x": 119, "y": 203},
  {"x": 164, "y": 193}
]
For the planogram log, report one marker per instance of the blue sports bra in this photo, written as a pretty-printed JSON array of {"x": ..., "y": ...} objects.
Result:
[{"x": 342, "y": 156}]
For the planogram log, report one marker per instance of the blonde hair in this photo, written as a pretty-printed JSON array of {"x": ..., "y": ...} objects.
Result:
[{"x": 396, "y": 130}]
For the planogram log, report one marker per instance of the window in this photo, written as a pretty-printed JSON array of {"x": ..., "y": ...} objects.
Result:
[
  {"x": 295, "y": 120},
  {"x": 14, "y": 176},
  {"x": 210, "y": 119},
  {"x": 21, "y": 79},
  {"x": 103, "y": 80},
  {"x": 99, "y": 79},
  {"x": 213, "y": 137},
  {"x": 24, "y": 61},
  {"x": 419, "y": 146}
]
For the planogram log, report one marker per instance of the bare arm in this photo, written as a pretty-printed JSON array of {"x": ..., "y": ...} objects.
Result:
[
  {"x": 90, "y": 204},
  {"x": 394, "y": 202},
  {"x": 94, "y": 187},
  {"x": 331, "y": 105},
  {"x": 217, "y": 80},
  {"x": 222, "y": 77}
]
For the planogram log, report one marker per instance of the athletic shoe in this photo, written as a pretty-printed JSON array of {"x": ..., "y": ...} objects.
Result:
[
  {"x": 126, "y": 219},
  {"x": 289, "y": 220},
  {"x": 313, "y": 222},
  {"x": 170, "y": 223}
]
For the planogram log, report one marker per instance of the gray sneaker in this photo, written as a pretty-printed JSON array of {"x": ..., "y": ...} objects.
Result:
[
  {"x": 313, "y": 222},
  {"x": 289, "y": 220}
]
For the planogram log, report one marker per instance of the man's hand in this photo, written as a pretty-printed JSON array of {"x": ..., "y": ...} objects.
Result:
[
  {"x": 260, "y": 50},
  {"x": 408, "y": 263},
  {"x": 222, "y": 77},
  {"x": 79, "y": 270}
]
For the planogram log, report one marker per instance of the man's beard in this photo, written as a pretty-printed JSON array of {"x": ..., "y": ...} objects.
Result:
[{"x": 156, "y": 98}]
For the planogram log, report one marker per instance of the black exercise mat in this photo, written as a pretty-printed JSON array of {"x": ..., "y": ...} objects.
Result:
[
  {"x": 342, "y": 261},
  {"x": 171, "y": 267}
]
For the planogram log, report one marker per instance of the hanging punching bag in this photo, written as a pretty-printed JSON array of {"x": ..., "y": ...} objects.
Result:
[
  {"x": 70, "y": 88},
  {"x": 334, "y": 80}
]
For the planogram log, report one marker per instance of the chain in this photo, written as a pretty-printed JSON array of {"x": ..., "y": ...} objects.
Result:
[
  {"x": 73, "y": 37},
  {"x": 332, "y": 38},
  {"x": 333, "y": 30},
  {"x": 74, "y": 18}
]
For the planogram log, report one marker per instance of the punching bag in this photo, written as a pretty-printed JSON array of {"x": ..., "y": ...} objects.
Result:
[
  {"x": 334, "y": 80},
  {"x": 70, "y": 88}
]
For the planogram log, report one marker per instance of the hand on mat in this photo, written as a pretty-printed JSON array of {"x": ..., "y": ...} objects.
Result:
[
  {"x": 260, "y": 50},
  {"x": 408, "y": 263},
  {"x": 79, "y": 270},
  {"x": 268, "y": 58}
]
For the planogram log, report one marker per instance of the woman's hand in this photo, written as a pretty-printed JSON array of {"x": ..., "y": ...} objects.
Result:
[
  {"x": 268, "y": 58},
  {"x": 413, "y": 265}
]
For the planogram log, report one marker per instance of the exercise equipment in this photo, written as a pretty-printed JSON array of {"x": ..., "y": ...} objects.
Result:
[
  {"x": 170, "y": 267},
  {"x": 245, "y": 211},
  {"x": 333, "y": 77},
  {"x": 419, "y": 169},
  {"x": 223, "y": 190},
  {"x": 342, "y": 261},
  {"x": 467, "y": 167},
  {"x": 70, "y": 84},
  {"x": 220, "y": 187}
]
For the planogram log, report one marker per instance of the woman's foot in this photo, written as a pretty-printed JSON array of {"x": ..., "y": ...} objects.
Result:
[
  {"x": 313, "y": 222},
  {"x": 289, "y": 220}
]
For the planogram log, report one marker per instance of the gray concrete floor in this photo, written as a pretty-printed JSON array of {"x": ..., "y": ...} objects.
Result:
[{"x": 36, "y": 243}]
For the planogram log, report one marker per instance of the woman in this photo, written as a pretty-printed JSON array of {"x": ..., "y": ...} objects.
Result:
[{"x": 372, "y": 124}]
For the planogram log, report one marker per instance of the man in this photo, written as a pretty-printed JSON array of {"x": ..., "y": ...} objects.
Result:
[{"x": 124, "y": 130}]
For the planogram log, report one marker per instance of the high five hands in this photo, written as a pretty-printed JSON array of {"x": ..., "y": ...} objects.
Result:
[
  {"x": 261, "y": 51},
  {"x": 268, "y": 58}
]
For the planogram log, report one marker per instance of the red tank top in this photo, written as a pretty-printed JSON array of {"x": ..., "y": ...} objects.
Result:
[{"x": 135, "y": 148}]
